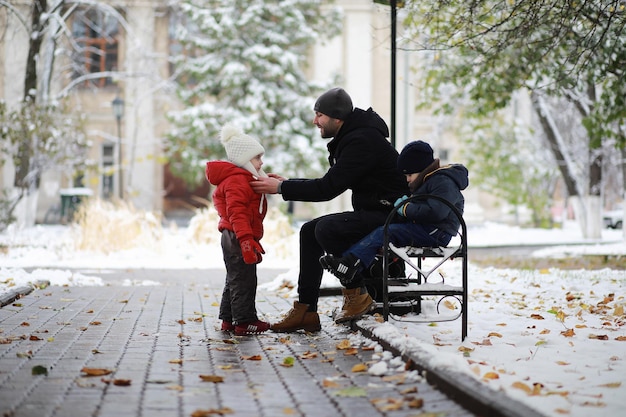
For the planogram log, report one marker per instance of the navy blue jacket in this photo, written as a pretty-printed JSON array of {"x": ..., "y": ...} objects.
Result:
[
  {"x": 446, "y": 182},
  {"x": 362, "y": 160}
]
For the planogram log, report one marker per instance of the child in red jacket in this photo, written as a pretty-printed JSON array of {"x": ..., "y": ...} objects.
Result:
[{"x": 241, "y": 212}]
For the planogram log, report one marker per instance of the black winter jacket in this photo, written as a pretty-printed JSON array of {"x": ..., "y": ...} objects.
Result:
[
  {"x": 446, "y": 182},
  {"x": 362, "y": 160}
]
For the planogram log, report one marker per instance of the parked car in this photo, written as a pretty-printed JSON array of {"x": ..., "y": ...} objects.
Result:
[{"x": 613, "y": 219}]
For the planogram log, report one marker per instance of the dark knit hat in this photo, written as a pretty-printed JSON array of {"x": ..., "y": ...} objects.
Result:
[
  {"x": 335, "y": 103},
  {"x": 415, "y": 157}
]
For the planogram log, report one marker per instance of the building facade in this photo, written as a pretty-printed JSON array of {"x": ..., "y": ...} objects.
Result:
[{"x": 127, "y": 146}]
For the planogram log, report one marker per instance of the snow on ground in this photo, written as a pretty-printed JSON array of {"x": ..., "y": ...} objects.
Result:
[{"x": 553, "y": 339}]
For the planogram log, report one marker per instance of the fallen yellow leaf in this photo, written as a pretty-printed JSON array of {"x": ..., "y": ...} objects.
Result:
[
  {"x": 522, "y": 386},
  {"x": 359, "y": 367},
  {"x": 96, "y": 371}
]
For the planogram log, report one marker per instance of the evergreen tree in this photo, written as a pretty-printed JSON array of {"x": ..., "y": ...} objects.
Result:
[{"x": 244, "y": 62}]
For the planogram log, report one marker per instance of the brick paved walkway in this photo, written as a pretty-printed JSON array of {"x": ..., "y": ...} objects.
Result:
[{"x": 159, "y": 340}]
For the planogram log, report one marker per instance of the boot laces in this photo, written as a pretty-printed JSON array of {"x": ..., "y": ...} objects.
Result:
[{"x": 349, "y": 299}]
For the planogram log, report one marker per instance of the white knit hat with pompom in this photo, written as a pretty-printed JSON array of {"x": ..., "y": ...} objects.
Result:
[{"x": 240, "y": 148}]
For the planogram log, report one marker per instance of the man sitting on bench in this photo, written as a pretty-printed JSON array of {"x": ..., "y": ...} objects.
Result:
[{"x": 420, "y": 223}]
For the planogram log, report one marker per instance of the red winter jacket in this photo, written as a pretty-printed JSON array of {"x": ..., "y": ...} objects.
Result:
[{"x": 241, "y": 210}]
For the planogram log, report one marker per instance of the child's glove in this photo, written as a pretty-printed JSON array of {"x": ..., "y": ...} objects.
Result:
[
  {"x": 251, "y": 251},
  {"x": 400, "y": 209}
]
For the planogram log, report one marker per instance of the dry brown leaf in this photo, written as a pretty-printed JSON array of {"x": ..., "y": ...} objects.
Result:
[
  {"x": 212, "y": 412},
  {"x": 485, "y": 342},
  {"x": 598, "y": 336},
  {"x": 176, "y": 361},
  {"x": 562, "y": 363},
  {"x": 465, "y": 349},
  {"x": 117, "y": 382},
  {"x": 621, "y": 338},
  {"x": 95, "y": 323},
  {"x": 544, "y": 331},
  {"x": 494, "y": 334},
  {"x": 359, "y": 367},
  {"x": 397, "y": 379},
  {"x": 251, "y": 357},
  {"x": 612, "y": 385},
  {"x": 415, "y": 403},
  {"x": 181, "y": 321},
  {"x": 329, "y": 383},
  {"x": 568, "y": 333},
  {"x": 34, "y": 338},
  {"x": 537, "y": 317},
  {"x": 351, "y": 351},
  {"x": 388, "y": 404},
  {"x": 344, "y": 344},
  {"x": 211, "y": 378},
  {"x": 308, "y": 355},
  {"x": 96, "y": 371}
]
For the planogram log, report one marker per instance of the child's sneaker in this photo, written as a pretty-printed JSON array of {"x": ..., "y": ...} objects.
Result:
[
  {"x": 253, "y": 327},
  {"x": 227, "y": 326}
]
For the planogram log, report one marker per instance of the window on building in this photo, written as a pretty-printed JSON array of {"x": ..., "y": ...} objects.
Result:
[
  {"x": 108, "y": 168},
  {"x": 96, "y": 37}
]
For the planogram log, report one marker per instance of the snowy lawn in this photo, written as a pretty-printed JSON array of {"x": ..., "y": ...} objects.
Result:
[{"x": 553, "y": 339}]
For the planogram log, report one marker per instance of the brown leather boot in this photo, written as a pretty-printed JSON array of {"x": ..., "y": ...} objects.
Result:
[
  {"x": 355, "y": 304},
  {"x": 298, "y": 318}
]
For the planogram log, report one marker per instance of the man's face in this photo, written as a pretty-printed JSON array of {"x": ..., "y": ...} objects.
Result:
[{"x": 327, "y": 125}]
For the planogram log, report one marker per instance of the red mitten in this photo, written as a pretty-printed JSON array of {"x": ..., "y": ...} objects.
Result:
[{"x": 251, "y": 251}]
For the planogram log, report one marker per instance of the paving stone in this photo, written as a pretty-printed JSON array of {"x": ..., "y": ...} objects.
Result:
[{"x": 162, "y": 338}]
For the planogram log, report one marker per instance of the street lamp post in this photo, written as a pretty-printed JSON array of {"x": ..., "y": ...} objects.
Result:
[
  {"x": 394, "y": 6},
  {"x": 118, "y": 111}
]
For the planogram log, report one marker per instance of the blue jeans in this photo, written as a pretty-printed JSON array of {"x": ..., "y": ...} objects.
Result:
[{"x": 400, "y": 234}]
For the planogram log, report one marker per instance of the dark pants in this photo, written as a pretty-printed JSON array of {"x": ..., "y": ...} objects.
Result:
[
  {"x": 400, "y": 234},
  {"x": 238, "y": 297},
  {"x": 333, "y": 234}
]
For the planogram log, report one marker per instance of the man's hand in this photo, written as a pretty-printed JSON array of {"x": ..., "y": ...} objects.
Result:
[{"x": 266, "y": 185}]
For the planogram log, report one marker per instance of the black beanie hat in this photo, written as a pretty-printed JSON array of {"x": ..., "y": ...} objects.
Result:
[
  {"x": 335, "y": 103},
  {"x": 415, "y": 157}
]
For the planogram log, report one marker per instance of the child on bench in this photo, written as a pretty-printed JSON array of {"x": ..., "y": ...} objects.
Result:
[{"x": 420, "y": 222}]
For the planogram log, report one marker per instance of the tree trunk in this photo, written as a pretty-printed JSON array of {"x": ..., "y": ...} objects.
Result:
[
  {"x": 623, "y": 153},
  {"x": 22, "y": 170},
  {"x": 551, "y": 135},
  {"x": 594, "y": 208}
]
